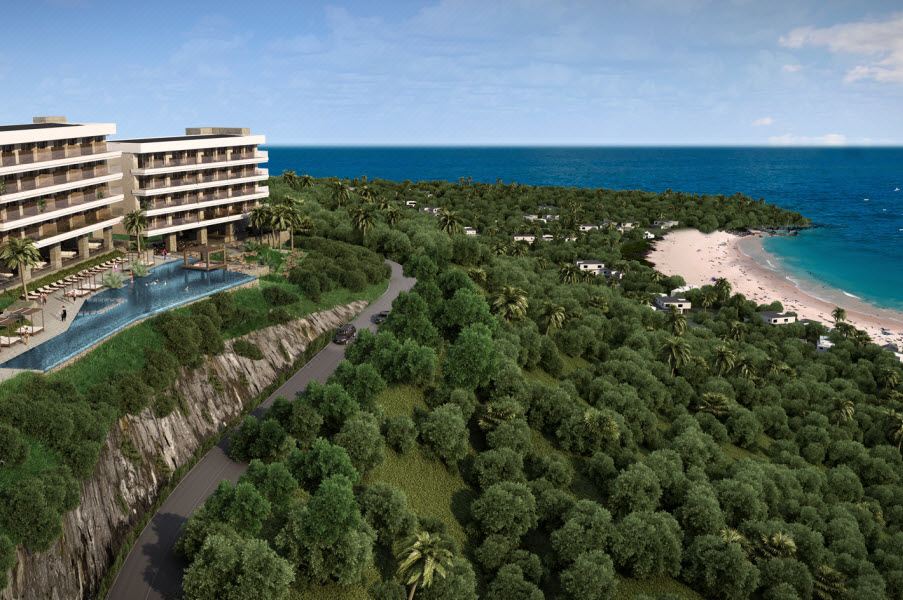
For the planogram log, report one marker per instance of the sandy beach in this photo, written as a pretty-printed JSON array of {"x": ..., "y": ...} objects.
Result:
[{"x": 700, "y": 257}]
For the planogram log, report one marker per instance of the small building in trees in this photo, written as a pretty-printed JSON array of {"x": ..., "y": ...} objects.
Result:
[
  {"x": 665, "y": 224},
  {"x": 470, "y": 231},
  {"x": 525, "y": 237},
  {"x": 678, "y": 303},
  {"x": 778, "y": 318},
  {"x": 593, "y": 266}
]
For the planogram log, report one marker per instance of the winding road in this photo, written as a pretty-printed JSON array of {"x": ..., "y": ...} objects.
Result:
[{"x": 152, "y": 569}]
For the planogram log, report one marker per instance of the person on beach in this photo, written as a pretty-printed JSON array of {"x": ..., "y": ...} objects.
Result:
[{"x": 63, "y": 315}]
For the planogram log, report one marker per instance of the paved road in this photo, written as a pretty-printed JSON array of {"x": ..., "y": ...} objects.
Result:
[{"x": 152, "y": 570}]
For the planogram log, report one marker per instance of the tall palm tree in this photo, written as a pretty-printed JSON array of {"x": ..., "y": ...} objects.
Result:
[
  {"x": 745, "y": 367},
  {"x": 424, "y": 557},
  {"x": 725, "y": 359},
  {"x": 888, "y": 378},
  {"x": 340, "y": 193},
  {"x": 736, "y": 330},
  {"x": 135, "y": 223},
  {"x": 895, "y": 426},
  {"x": 677, "y": 322},
  {"x": 305, "y": 181},
  {"x": 714, "y": 403},
  {"x": 391, "y": 214},
  {"x": 510, "y": 303},
  {"x": 553, "y": 317},
  {"x": 600, "y": 302},
  {"x": 448, "y": 222},
  {"x": 519, "y": 249},
  {"x": 258, "y": 218},
  {"x": 290, "y": 178},
  {"x": 283, "y": 217},
  {"x": 362, "y": 218},
  {"x": 723, "y": 288},
  {"x": 20, "y": 253},
  {"x": 845, "y": 411},
  {"x": 367, "y": 194},
  {"x": 828, "y": 584},
  {"x": 708, "y": 299},
  {"x": 839, "y": 315},
  {"x": 675, "y": 352},
  {"x": 569, "y": 273}
]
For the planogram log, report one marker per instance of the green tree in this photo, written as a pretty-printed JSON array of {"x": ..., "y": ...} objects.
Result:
[
  {"x": 362, "y": 218},
  {"x": 587, "y": 528},
  {"x": 648, "y": 544},
  {"x": 553, "y": 317},
  {"x": 259, "y": 218},
  {"x": 675, "y": 352},
  {"x": 421, "y": 560},
  {"x": 385, "y": 508},
  {"x": 445, "y": 433},
  {"x": 720, "y": 569},
  {"x": 13, "y": 447},
  {"x": 510, "y": 584},
  {"x": 507, "y": 508},
  {"x": 591, "y": 577},
  {"x": 510, "y": 303},
  {"x": 361, "y": 438},
  {"x": 677, "y": 322},
  {"x": 229, "y": 566},
  {"x": 471, "y": 360},
  {"x": 305, "y": 181},
  {"x": 839, "y": 315},
  {"x": 723, "y": 289},
  {"x": 449, "y": 222},
  {"x": 135, "y": 223},
  {"x": 725, "y": 359},
  {"x": 291, "y": 179},
  {"x": 341, "y": 195},
  {"x": 570, "y": 273},
  {"x": 21, "y": 254}
]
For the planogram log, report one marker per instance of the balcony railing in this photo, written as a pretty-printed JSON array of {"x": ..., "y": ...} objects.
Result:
[{"x": 194, "y": 160}]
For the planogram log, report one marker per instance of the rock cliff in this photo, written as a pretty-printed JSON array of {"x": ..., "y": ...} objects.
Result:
[{"x": 141, "y": 452}]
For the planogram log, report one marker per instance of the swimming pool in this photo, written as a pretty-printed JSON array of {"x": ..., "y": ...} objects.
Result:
[{"x": 111, "y": 310}]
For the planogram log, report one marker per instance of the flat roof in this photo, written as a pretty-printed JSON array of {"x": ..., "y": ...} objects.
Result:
[
  {"x": 25, "y": 126},
  {"x": 178, "y": 138}
]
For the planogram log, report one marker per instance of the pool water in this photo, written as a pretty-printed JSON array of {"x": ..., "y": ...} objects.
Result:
[{"x": 111, "y": 310}]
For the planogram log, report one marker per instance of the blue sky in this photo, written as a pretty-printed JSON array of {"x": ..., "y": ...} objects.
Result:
[{"x": 611, "y": 72}]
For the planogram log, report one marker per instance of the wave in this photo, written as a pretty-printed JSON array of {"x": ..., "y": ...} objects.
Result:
[{"x": 846, "y": 293}]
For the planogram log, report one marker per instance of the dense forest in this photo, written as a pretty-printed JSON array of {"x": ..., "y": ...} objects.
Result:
[{"x": 520, "y": 430}]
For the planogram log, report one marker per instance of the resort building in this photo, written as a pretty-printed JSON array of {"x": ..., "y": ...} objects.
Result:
[
  {"x": 627, "y": 226},
  {"x": 588, "y": 227},
  {"x": 525, "y": 238},
  {"x": 549, "y": 218},
  {"x": 824, "y": 344},
  {"x": 547, "y": 237},
  {"x": 665, "y": 224},
  {"x": 470, "y": 231},
  {"x": 776, "y": 318},
  {"x": 532, "y": 218},
  {"x": 194, "y": 185},
  {"x": 590, "y": 265},
  {"x": 58, "y": 182},
  {"x": 677, "y": 303}
]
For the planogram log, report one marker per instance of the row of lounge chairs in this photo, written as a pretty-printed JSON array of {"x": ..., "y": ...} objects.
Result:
[{"x": 78, "y": 282}]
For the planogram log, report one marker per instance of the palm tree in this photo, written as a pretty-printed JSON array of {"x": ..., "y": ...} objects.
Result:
[
  {"x": 135, "y": 223},
  {"x": 600, "y": 302},
  {"x": 888, "y": 378},
  {"x": 391, "y": 214},
  {"x": 723, "y": 288},
  {"x": 510, "y": 303},
  {"x": 305, "y": 181},
  {"x": 776, "y": 545},
  {"x": 708, "y": 299},
  {"x": 340, "y": 193},
  {"x": 424, "y": 557},
  {"x": 478, "y": 275},
  {"x": 519, "y": 249},
  {"x": 845, "y": 411},
  {"x": 839, "y": 315},
  {"x": 448, "y": 222},
  {"x": 367, "y": 194},
  {"x": 258, "y": 218},
  {"x": 569, "y": 273},
  {"x": 290, "y": 178},
  {"x": 736, "y": 330},
  {"x": 714, "y": 403},
  {"x": 745, "y": 367},
  {"x": 553, "y": 317},
  {"x": 20, "y": 253},
  {"x": 895, "y": 426},
  {"x": 283, "y": 217},
  {"x": 725, "y": 359},
  {"x": 677, "y": 322},
  {"x": 675, "y": 352},
  {"x": 362, "y": 218},
  {"x": 828, "y": 584},
  {"x": 600, "y": 425}
]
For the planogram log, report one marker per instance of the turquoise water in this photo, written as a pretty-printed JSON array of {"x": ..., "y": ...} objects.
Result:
[
  {"x": 107, "y": 312},
  {"x": 857, "y": 249}
]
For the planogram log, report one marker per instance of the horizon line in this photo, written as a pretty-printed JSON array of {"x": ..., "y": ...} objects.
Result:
[{"x": 894, "y": 145}]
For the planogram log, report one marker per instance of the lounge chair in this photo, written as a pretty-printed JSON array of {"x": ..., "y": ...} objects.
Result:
[
  {"x": 31, "y": 329},
  {"x": 7, "y": 341}
]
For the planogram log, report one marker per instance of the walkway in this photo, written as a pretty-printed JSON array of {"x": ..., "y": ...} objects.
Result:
[{"x": 152, "y": 570}]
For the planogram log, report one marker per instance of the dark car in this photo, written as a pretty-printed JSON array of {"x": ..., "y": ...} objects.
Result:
[
  {"x": 344, "y": 334},
  {"x": 380, "y": 317}
]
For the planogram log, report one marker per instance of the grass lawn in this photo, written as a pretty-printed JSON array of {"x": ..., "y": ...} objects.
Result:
[
  {"x": 334, "y": 591},
  {"x": 630, "y": 588},
  {"x": 432, "y": 490}
]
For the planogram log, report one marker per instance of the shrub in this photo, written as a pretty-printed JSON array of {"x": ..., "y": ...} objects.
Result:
[
  {"x": 278, "y": 296},
  {"x": 494, "y": 466},
  {"x": 308, "y": 283},
  {"x": 112, "y": 280},
  {"x": 591, "y": 577},
  {"x": 400, "y": 433},
  {"x": 506, "y": 508},
  {"x": 385, "y": 508},
  {"x": 13, "y": 448},
  {"x": 648, "y": 545},
  {"x": 247, "y": 349},
  {"x": 279, "y": 315},
  {"x": 361, "y": 437}
]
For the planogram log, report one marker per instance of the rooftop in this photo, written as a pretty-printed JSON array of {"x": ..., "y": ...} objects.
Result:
[
  {"x": 768, "y": 314},
  {"x": 177, "y": 138},
  {"x": 26, "y": 126}
]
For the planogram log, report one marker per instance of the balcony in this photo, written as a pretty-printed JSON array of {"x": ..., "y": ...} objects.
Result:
[
  {"x": 185, "y": 185},
  {"x": 159, "y": 167},
  {"x": 13, "y": 196},
  {"x": 44, "y": 161},
  {"x": 162, "y": 226},
  {"x": 32, "y": 214},
  {"x": 70, "y": 231},
  {"x": 198, "y": 203}
]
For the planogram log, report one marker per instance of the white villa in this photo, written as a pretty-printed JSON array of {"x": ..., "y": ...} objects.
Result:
[
  {"x": 470, "y": 231},
  {"x": 627, "y": 226},
  {"x": 547, "y": 237},
  {"x": 588, "y": 227},
  {"x": 776, "y": 318},
  {"x": 525, "y": 238},
  {"x": 648, "y": 236},
  {"x": 411, "y": 203},
  {"x": 666, "y": 224},
  {"x": 550, "y": 217},
  {"x": 824, "y": 344},
  {"x": 678, "y": 303},
  {"x": 532, "y": 218},
  {"x": 611, "y": 273},
  {"x": 590, "y": 265}
]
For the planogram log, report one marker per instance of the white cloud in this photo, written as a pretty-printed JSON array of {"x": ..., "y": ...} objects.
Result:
[
  {"x": 763, "y": 122},
  {"x": 792, "y": 68},
  {"x": 788, "y": 139},
  {"x": 880, "y": 41}
]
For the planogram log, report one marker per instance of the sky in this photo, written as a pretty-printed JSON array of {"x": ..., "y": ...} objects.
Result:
[{"x": 466, "y": 72}]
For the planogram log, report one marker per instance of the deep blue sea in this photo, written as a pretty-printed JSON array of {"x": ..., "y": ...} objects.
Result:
[{"x": 850, "y": 192}]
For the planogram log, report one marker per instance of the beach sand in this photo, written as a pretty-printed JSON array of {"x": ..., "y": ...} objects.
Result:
[{"x": 752, "y": 271}]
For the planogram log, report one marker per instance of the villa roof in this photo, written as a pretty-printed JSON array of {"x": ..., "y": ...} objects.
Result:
[
  {"x": 672, "y": 299},
  {"x": 769, "y": 314},
  {"x": 26, "y": 126}
]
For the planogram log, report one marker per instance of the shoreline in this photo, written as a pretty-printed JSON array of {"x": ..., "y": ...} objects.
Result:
[{"x": 758, "y": 275}]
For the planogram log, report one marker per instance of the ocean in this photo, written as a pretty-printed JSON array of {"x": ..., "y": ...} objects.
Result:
[{"x": 854, "y": 195}]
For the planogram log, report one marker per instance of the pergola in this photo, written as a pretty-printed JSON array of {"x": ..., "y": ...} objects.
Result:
[
  {"x": 205, "y": 260},
  {"x": 21, "y": 311}
]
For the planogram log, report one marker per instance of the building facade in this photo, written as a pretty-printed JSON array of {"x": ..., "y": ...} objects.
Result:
[
  {"x": 59, "y": 182},
  {"x": 202, "y": 183}
]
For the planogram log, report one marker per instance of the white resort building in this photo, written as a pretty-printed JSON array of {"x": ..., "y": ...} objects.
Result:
[
  {"x": 470, "y": 231},
  {"x": 665, "y": 224},
  {"x": 677, "y": 303},
  {"x": 58, "y": 182},
  {"x": 776, "y": 318},
  {"x": 523, "y": 237},
  {"x": 590, "y": 265},
  {"x": 203, "y": 182}
]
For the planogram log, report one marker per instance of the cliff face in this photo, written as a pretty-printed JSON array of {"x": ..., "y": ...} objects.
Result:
[{"x": 123, "y": 488}]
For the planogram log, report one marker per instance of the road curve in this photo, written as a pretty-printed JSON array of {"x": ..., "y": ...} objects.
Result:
[{"x": 151, "y": 569}]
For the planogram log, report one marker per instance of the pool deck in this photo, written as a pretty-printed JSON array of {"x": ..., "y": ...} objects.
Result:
[{"x": 53, "y": 326}]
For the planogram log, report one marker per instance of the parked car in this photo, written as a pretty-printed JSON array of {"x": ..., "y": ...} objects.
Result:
[
  {"x": 344, "y": 334},
  {"x": 380, "y": 317}
]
